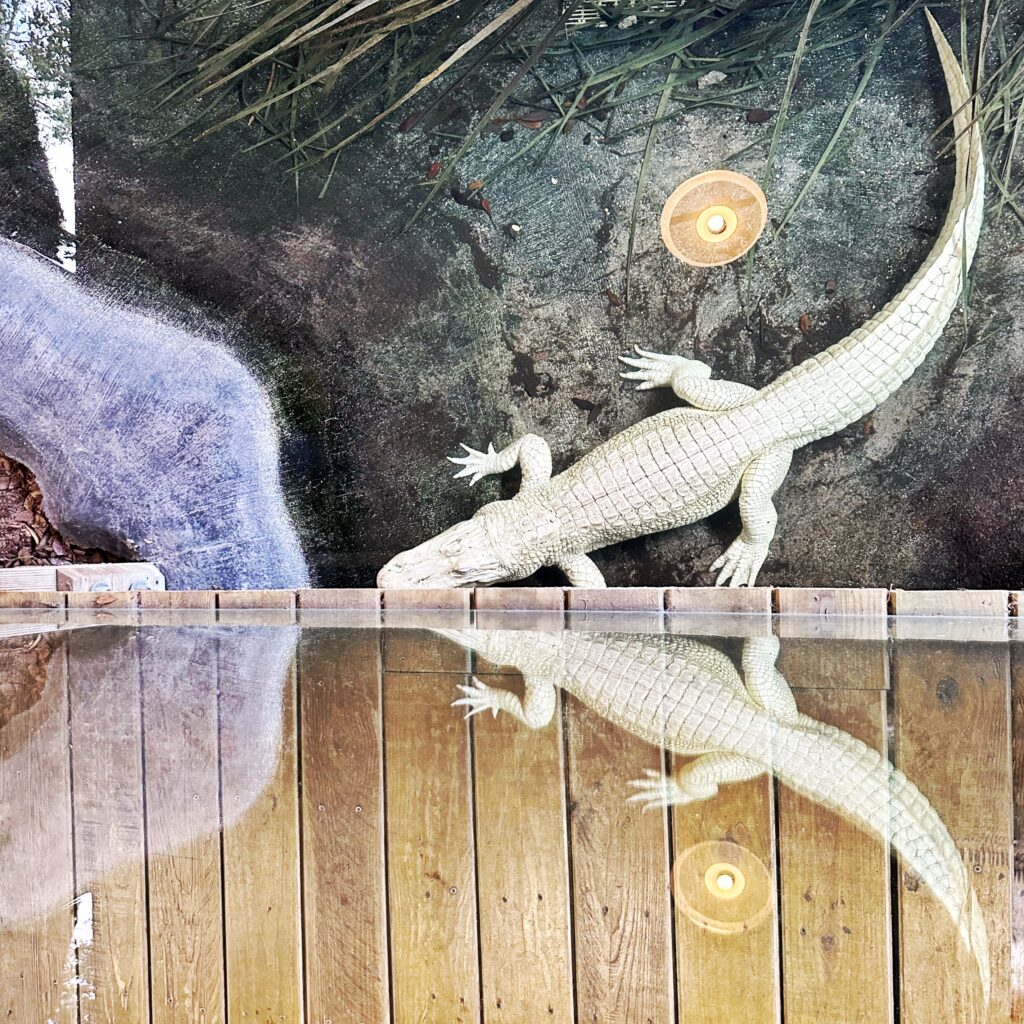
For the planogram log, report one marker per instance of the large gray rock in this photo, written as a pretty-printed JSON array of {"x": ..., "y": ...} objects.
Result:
[
  {"x": 386, "y": 349},
  {"x": 148, "y": 440}
]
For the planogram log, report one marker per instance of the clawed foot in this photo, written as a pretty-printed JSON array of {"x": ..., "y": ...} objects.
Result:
[
  {"x": 656, "y": 370},
  {"x": 476, "y": 465},
  {"x": 479, "y": 697},
  {"x": 740, "y": 564},
  {"x": 657, "y": 791}
]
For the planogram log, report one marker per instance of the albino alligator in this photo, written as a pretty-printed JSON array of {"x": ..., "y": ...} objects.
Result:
[
  {"x": 688, "y": 697},
  {"x": 681, "y": 465}
]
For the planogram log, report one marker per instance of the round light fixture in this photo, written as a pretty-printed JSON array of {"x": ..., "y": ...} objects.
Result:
[
  {"x": 722, "y": 886},
  {"x": 713, "y": 218}
]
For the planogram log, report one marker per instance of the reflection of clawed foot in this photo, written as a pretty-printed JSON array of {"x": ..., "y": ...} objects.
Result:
[
  {"x": 657, "y": 791},
  {"x": 656, "y": 370},
  {"x": 475, "y": 464},
  {"x": 479, "y": 697}
]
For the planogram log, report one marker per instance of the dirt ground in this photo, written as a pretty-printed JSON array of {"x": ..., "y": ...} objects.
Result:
[{"x": 26, "y": 536}]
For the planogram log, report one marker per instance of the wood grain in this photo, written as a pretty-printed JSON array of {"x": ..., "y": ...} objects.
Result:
[
  {"x": 831, "y": 601},
  {"x": 615, "y": 599},
  {"x": 952, "y": 740},
  {"x": 343, "y": 827},
  {"x": 732, "y": 977},
  {"x": 183, "y": 816},
  {"x": 984, "y": 603},
  {"x": 1017, "y": 721},
  {"x": 262, "y": 878},
  {"x": 522, "y": 863},
  {"x": 719, "y": 600},
  {"x": 550, "y": 599},
  {"x": 432, "y": 878},
  {"x": 244, "y": 600},
  {"x": 110, "y": 852},
  {"x": 36, "y": 868},
  {"x": 621, "y": 904},
  {"x": 836, "y": 915}
]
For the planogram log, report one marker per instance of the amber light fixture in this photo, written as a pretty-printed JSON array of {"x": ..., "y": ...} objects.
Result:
[
  {"x": 722, "y": 887},
  {"x": 713, "y": 218}
]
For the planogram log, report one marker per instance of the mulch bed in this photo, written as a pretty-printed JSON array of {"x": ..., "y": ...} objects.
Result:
[{"x": 26, "y": 535}]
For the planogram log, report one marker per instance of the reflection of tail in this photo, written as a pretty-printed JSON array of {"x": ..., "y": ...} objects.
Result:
[{"x": 863, "y": 786}]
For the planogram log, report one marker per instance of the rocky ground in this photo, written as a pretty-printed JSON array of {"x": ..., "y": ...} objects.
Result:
[{"x": 383, "y": 349}]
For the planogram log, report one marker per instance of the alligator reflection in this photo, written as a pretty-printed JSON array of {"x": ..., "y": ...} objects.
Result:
[
  {"x": 77, "y": 709},
  {"x": 689, "y": 698}
]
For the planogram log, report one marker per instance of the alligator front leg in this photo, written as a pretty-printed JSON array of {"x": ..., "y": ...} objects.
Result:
[
  {"x": 530, "y": 451},
  {"x": 743, "y": 558},
  {"x": 534, "y": 710},
  {"x": 688, "y": 378}
]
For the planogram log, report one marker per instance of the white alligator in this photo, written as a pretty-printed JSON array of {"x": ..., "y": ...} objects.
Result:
[
  {"x": 681, "y": 465},
  {"x": 687, "y": 697}
]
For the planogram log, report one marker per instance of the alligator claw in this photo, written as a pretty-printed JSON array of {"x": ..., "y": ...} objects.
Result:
[
  {"x": 475, "y": 465},
  {"x": 656, "y": 369},
  {"x": 479, "y": 697},
  {"x": 740, "y": 564},
  {"x": 656, "y": 791}
]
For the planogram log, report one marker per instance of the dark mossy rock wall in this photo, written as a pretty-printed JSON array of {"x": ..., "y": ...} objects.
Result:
[{"x": 385, "y": 349}]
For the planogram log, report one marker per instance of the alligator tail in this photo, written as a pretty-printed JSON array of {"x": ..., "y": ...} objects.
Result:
[{"x": 861, "y": 785}]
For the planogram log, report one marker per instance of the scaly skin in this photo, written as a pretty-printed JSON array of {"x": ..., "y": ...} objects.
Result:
[
  {"x": 689, "y": 698},
  {"x": 681, "y": 465}
]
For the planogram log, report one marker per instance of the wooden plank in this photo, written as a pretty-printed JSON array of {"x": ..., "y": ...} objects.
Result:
[
  {"x": 980, "y": 603},
  {"x": 110, "y": 851},
  {"x": 952, "y": 740},
  {"x": 29, "y": 578},
  {"x": 719, "y": 600},
  {"x": 246, "y": 600},
  {"x": 179, "y": 701},
  {"x": 731, "y": 976},
  {"x": 832, "y": 601},
  {"x": 522, "y": 858},
  {"x": 1017, "y": 721},
  {"x": 615, "y": 599},
  {"x": 835, "y": 885},
  {"x": 350, "y": 599},
  {"x": 621, "y": 903},
  {"x": 32, "y": 599},
  {"x": 176, "y": 600},
  {"x": 110, "y": 576},
  {"x": 517, "y": 599},
  {"x": 428, "y": 599},
  {"x": 432, "y": 879},
  {"x": 343, "y": 828},
  {"x": 835, "y": 664},
  {"x": 262, "y": 879},
  {"x": 36, "y": 874},
  {"x": 107, "y": 600}
]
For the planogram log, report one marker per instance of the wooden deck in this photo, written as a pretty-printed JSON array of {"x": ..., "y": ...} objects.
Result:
[{"x": 333, "y": 843}]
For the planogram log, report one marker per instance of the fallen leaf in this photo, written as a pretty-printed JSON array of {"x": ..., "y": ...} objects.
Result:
[
  {"x": 408, "y": 123},
  {"x": 804, "y": 324},
  {"x": 759, "y": 115},
  {"x": 433, "y": 170},
  {"x": 475, "y": 184}
]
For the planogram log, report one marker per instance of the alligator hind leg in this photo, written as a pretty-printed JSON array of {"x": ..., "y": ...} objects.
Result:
[
  {"x": 530, "y": 451},
  {"x": 534, "y": 710},
  {"x": 696, "y": 780},
  {"x": 743, "y": 559},
  {"x": 582, "y": 572},
  {"x": 688, "y": 378}
]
